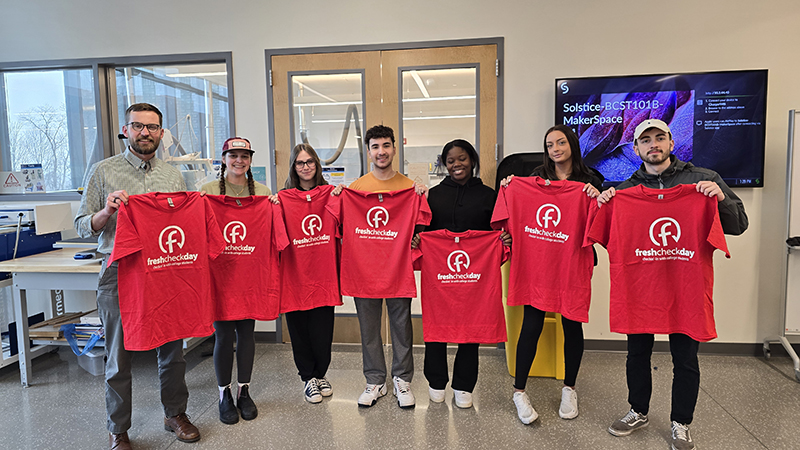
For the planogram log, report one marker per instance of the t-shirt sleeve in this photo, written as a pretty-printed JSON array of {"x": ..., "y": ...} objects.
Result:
[
  {"x": 280, "y": 240},
  {"x": 500, "y": 214},
  {"x": 716, "y": 236},
  {"x": 424, "y": 215},
  {"x": 590, "y": 216},
  {"x": 334, "y": 207},
  {"x": 126, "y": 240},
  {"x": 600, "y": 225},
  {"x": 216, "y": 242}
]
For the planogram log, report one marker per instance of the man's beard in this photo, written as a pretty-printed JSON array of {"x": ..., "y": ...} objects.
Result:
[{"x": 145, "y": 151}]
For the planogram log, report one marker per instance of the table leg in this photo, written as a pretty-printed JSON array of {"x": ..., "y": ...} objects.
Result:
[{"x": 23, "y": 342}]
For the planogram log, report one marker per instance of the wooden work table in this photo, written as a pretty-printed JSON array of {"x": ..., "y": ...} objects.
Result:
[
  {"x": 55, "y": 270},
  {"x": 60, "y": 260}
]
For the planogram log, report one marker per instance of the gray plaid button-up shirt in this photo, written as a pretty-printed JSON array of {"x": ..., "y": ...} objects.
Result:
[{"x": 121, "y": 172}]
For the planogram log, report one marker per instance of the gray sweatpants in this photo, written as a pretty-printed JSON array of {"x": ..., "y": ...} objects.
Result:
[
  {"x": 171, "y": 365},
  {"x": 369, "y": 321}
]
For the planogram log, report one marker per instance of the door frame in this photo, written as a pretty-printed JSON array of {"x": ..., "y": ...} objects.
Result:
[{"x": 269, "y": 53}]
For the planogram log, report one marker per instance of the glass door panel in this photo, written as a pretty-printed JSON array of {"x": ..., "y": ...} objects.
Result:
[
  {"x": 437, "y": 106},
  {"x": 327, "y": 113}
]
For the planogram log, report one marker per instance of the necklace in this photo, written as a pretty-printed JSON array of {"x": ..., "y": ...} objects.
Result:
[{"x": 234, "y": 189}]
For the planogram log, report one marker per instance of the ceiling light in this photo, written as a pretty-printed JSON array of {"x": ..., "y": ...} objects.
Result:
[
  {"x": 420, "y": 84},
  {"x": 196, "y": 74}
]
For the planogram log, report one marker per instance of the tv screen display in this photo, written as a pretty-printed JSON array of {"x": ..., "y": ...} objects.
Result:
[{"x": 717, "y": 120}]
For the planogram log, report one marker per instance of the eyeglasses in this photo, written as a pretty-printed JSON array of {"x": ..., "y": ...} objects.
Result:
[
  {"x": 310, "y": 163},
  {"x": 138, "y": 126}
]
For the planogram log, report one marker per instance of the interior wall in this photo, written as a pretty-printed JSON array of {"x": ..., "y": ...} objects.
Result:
[{"x": 544, "y": 39}]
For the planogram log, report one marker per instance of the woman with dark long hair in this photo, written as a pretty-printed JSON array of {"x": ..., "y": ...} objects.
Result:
[
  {"x": 562, "y": 161},
  {"x": 309, "y": 270}
]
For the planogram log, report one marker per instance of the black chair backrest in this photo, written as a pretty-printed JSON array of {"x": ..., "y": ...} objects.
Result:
[{"x": 518, "y": 164}]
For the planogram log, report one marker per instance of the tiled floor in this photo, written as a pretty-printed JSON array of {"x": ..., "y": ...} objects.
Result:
[{"x": 744, "y": 403}]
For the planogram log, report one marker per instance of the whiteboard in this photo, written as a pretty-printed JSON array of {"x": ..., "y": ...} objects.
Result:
[{"x": 792, "y": 300}]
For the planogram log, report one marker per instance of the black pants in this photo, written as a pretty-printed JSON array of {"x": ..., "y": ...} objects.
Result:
[
  {"x": 685, "y": 374},
  {"x": 312, "y": 334},
  {"x": 532, "y": 324},
  {"x": 465, "y": 369},
  {"x": 244, "y": 332}
]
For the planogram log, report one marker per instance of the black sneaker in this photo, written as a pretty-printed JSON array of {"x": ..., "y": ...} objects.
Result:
[
  {"x": 227, "y": 411},
  {"x": 246, "y": 404}
]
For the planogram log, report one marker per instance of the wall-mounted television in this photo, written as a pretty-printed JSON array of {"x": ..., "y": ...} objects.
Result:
[{"x": 717, "y": 120}]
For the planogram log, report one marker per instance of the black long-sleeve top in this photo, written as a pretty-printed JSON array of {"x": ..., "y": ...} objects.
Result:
[{"x": 460, "y": 208}]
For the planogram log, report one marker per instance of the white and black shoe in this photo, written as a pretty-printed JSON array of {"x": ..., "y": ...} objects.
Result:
[
  {"x": 311, "y": 391},
  {"x": 402, "y": 390},
  {"x": 325, "y": 387},
  {"x": 371, "y": 394}
]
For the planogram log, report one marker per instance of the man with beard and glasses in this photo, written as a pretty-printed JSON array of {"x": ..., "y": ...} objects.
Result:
[
  {"x": 662, "y": 170},
  {"x": 109, "y": 183}
]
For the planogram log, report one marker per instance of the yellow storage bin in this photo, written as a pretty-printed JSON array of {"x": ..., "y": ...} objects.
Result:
[{"x": 549, "y": 360}]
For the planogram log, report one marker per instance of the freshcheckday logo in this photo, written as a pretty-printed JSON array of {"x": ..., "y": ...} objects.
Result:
[
  {"x": 662, "y": 231},
  {"x": 234, "y": 232},
  {"x": 377, "y": 217},
  {"x": 311, "y": 225},
  {"x": 456, "y": 261},
  {"x": 171, "y": 239},
  {"x": 547, "y": 216}
]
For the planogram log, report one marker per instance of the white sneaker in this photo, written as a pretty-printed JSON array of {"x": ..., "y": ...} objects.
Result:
[
  {"x": 325, "y": 387},
  {"x": 436, "y": 395},
  {"x": 371, "y": 394},
  {"x": 402, "y": 390},
  {"x": 525, "y": 411},
  {"x": 311, "y": 391},
  {"x": 569, "y": 403},
  {"x": 463, "y": 398}
]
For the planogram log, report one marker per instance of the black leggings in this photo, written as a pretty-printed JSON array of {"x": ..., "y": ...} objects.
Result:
[
  {"x": 532, "y": 324},
  {"x": 244, "y": 332}
]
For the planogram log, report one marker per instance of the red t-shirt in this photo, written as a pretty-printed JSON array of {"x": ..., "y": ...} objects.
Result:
[
  {"x": 551, "y": 268},
  {"x": 660, "y": 245},
  {"x": 245, "y": 280},
  {"x": 309, "y": 265},
  {"x": 462, "y": 289},
  {"x": 163, "y": 245},
  {"x": 376, "y": 231}
]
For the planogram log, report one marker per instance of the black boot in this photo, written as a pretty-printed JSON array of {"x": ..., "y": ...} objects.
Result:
[
  {"x": 227, "y": 411},
  {"x": 246, "y": 405}
]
